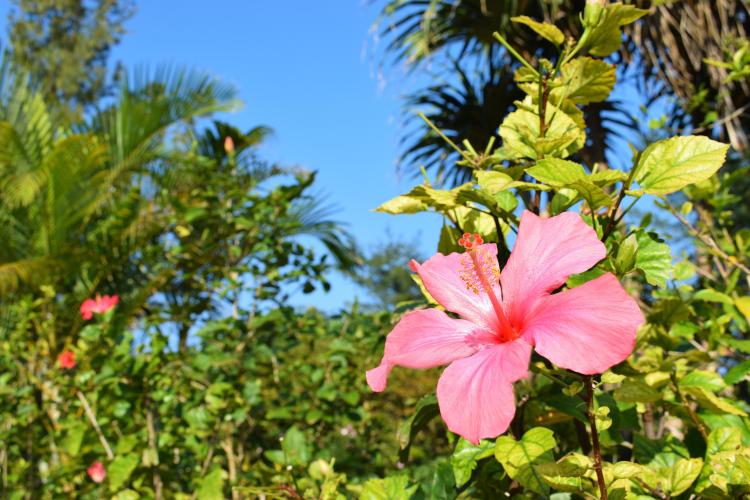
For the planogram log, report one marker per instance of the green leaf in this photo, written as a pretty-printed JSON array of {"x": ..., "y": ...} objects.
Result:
[
  {"x": 586, "y": 80},
  {"x": 120, "y": 469},
  {"x": 295, "y": 448},
  {"x": 493, "y": 181},
  {"x": 547, "y": 31},
  {"x": 709, "y": 381},
  {"x": 390, "y": 488},
  {"x": 723, "y": 439},
  {"x": 605, "y": 36},
  {"x": 683, "y": 474},
  {"x": 522, "y": 138},
  {"x": 654, "y": 259},
  {"x": 626, "y": 255},
  {"x": 711, "y": 295},
  {"x": 556, "y": 172},
  {"x": 635, "y": 391},
  {"x": 712, "y": 402},
  {"x": 737, "y": 373},
  {"x": 521, "y": 458},
  {"x": 568, "y": 474},
  {"x": 73, "y": 438},
  {"x": 211, "y": 486},
  {"x": 464, "y": 459},
  {"x": 669, "y": 165},
  {"x": 426, "y": 410},
  {"x": 595, "y": 196},
  {"x": 402, "y": 205},
  {"x": 743, "y": 305}
]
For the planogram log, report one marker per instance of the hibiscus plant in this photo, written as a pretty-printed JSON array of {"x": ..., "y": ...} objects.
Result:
[{"x": 583, "y": 362}]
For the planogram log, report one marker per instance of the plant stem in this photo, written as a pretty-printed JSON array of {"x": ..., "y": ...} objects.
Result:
[
  {"x": 95, "y": 424},
  {"x": 513, "y": 52},
  {"x": 691, "y": 412},
  {"x": 595, "y": 437}
]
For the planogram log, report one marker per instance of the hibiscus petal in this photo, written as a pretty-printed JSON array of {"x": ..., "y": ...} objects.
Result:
[
  {"x": 546, "y": 252},
  {"x": 587, "y": 329},
  {"x": 475, "y": 394},
  {"x": 442, "y": 277},
  {"x": 425, "y": 339}
]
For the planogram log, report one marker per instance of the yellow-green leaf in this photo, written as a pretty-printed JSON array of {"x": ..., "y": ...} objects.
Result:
[
  {"x": 586, "y": 80},
  {"x": 547, "y": 31},
  {"x": 521, "y": 458},
  {"x": 668, "y": 166}
]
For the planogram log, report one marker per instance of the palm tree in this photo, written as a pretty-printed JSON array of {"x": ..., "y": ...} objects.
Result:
[{"x": 667, "y": 49}]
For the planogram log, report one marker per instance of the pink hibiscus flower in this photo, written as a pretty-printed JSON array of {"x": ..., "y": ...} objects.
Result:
[
  {"x": 587, "y": 329},
  {"x": 98, "y": 305},
  {"x": 96, "y": 472},
  {"x": 66, "y": 360}
]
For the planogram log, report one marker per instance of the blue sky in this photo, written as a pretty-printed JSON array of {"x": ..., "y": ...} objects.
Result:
[{"x": 309, "y": 70}]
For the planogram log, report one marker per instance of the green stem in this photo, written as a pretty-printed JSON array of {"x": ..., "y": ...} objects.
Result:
[{"x": 513, "y": 52}]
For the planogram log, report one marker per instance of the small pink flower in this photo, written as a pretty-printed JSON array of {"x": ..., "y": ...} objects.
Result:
[
  {"x": 98, "y": 305},
  {"x": 96, "y": 472},
  {"x": 66, "y": 360},
  {"x": 587, "y": 329}
]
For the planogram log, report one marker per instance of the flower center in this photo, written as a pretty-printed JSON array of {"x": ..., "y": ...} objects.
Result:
[{"x": 480, "y": 271}]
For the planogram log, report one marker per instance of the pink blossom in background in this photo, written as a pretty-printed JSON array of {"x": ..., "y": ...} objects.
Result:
[
  {"x": 96, "y": 472},
  {"x": 228, "y": 145},
  {"x": 66, "y": 360},
  {"x": 587, "y": 329},
  {"x": 98, "y": 305}
]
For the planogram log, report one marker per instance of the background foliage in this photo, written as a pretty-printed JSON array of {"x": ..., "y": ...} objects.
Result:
[{"x": 203, "y": 383}]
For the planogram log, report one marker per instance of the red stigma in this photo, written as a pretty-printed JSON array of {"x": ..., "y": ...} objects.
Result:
[{"x": 470, "y": 241}]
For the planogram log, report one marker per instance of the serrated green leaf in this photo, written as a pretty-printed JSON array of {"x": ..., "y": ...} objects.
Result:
[
  {"x": 464, "y": 459},
  {"x": 595, "y": 196},
  {"x": 626, "y": 255},
  {"x": 653, "y": 259},
  {"x": 521, "y": 135},
  {"x": 568, "y": 474},
  {"x": 683, "y": 474},
  {"x": 710, "y": 381},
  {"x": 669, "y": 165},
  {"x": 723, "y": 439},
  {"x": 635, "y": 391},
  {"x": 493, "y": 181},
  {"x": 390, "y": 488},
  {"x": 520, "y": 458},
  {"x": 556, "y": 172},
  {"x": 713, "y": 403},
  {"x": 605, "y": 37},
  {"x": 586, "y": 80},
  {"x": 547, "y": 31}
]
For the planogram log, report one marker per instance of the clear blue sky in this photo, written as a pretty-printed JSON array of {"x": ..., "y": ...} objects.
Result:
[{"x": 309, "y": 70}]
